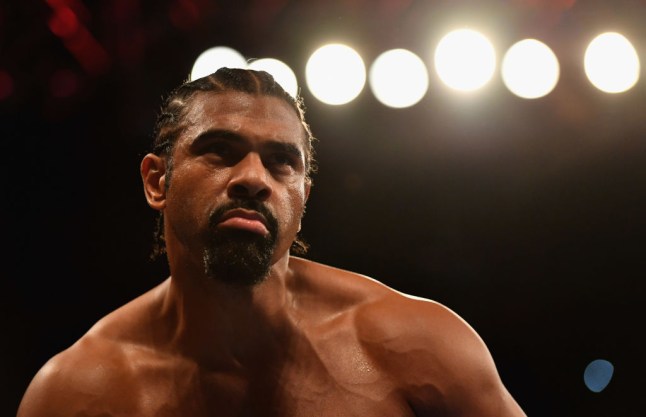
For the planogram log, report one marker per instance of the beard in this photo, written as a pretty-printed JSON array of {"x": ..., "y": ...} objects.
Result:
[{"x": 239, "y": 257}]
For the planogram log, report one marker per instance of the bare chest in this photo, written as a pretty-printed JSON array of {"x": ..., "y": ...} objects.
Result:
[
  {"x": 321, "y": 383},
  {"x": 292, "y": 394}
]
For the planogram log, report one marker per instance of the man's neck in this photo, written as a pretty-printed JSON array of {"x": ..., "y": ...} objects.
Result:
[{"x": 220, "y": 325}]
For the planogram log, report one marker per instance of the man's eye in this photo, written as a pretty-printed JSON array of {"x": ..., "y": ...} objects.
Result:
[
  {"x": 283, "y": 159},
  {"x": 219, "y": 148}
]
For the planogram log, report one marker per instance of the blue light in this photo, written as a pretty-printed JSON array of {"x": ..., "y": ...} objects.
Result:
[{"x": 597, "y": 375}]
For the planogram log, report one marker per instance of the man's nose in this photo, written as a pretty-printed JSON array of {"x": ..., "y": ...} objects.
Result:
[{"x": 249, "y": 179}]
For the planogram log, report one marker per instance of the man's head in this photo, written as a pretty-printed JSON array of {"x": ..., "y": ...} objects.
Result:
[
  {"x": 170, "y": 121},
  {"x": 217, "y": 119}
]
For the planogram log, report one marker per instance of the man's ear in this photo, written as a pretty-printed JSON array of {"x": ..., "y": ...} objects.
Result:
[
  {"x": 308, "y": 188},
  {"x": 153, "y": 175}
]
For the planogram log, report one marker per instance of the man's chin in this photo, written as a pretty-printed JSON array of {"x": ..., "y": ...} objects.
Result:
[{"x": 239, "y": 257}]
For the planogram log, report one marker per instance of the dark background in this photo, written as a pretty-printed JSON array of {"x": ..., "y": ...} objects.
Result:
[{"x": 525, "y": 217}]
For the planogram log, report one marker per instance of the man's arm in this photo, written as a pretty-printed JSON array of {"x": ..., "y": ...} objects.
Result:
[{"x": 441, "y": 364}]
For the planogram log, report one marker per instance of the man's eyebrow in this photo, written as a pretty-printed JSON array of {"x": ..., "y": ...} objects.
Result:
[
  {"x": 287, "y": 147},
  {"x": 229, "y": 135},
  {"x": 219, "y": 134}
]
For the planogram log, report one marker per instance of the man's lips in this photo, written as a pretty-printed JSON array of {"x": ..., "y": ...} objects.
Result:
[{"x": 248, "y": 220}]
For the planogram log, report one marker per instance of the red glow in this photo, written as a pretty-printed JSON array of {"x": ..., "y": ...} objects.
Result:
[
  {"x": 64, "y": 23},
  {"x": 184, "y": 14},
  {"x": 6, "y": 85},
  {"x": 88, "y": 52}
]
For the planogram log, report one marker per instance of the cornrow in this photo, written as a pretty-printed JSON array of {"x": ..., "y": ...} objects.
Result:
[{"x": 170, "y": 124}]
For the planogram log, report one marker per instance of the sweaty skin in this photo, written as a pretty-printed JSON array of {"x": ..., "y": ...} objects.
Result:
[{"x": 309, "y": 340}]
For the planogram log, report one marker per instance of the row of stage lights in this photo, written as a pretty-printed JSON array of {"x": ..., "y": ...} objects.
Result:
[{"x": 464, "y": 60}]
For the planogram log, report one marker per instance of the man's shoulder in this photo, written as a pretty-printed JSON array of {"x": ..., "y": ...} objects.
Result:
[
  {"x": 95, "y": 366},
  {"x": 378, "y": 307},
  {"x": 335, "y": 291},
  {"x": 437, "y": 360},
  {"x": 381, "y": 314},
  {"x": 397, "y": 322},
  {"x": 126, "y": 322},
  {"x": 434, "y": 357},
  {"x": 322, "y": 277},
  {"x": 410, "y": 335},
  {"x": 76, "y": 376},
  {"x": 426, "y": 350}
]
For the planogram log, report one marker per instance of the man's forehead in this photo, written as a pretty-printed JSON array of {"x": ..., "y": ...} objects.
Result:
[{"x": 240, "y": 110}]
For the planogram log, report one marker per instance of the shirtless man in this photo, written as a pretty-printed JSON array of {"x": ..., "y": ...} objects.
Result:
[{"x": 241, "y": 327}]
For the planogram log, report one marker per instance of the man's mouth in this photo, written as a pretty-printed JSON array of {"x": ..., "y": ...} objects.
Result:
[{"x": 243, "y": 219}]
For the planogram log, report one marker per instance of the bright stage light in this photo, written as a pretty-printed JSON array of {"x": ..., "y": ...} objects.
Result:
[
  {"x": 530, "y": 69},
  {"x": 398, "y": 78},
  {"x": 215, "y": 58},
  {"x": 335, "y": 74},
  {"x": 611, "y": 63},
  {"x": 465, "y": 60},
  {"x": 281, "y": 72}
]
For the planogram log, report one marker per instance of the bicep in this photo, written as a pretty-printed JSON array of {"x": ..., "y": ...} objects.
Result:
[
  {"x": 478, "y": 390},
  {"x": 442, "y": 365},
  {"x": 486, "y": 397},
  {"x": 470, "y": 384}
]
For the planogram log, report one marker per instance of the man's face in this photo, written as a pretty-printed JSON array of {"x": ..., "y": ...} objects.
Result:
[{"x": 238, "y": 186}]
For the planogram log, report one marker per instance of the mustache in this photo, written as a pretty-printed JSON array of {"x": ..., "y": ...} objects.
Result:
[{"x": 216, "y": 215}]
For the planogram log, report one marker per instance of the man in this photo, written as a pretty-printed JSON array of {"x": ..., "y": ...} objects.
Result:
[{"x": 241, "y": 327}]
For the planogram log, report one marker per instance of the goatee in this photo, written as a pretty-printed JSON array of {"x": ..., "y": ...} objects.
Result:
[{"x": 239, "y": 257}]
